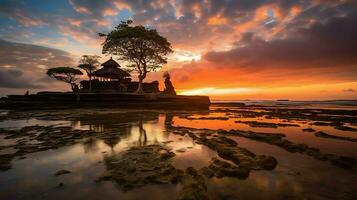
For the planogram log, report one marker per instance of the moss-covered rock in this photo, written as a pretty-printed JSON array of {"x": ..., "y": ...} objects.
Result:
[
  {"x": 228, "y": 149},
  {"x": 140, "y": 166},
  {"x": 193, "y": 186},
  {"x": 220, "y": 168},
  {"x": 341, "y": 161}
]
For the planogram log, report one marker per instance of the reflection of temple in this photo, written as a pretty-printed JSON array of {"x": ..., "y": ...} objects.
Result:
[
  {"x": 118, "y": 126},
  {"x": 110, "y": 78},
  {"x": 115, "y": 121}
]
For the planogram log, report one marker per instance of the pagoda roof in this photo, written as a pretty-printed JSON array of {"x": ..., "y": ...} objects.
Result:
[
  {"x": 111, "y": 69},
  {"x": 109, "y": 72},
  {"x": 110, "y": 63}
]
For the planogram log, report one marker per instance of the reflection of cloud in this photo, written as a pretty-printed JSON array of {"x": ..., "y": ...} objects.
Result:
[{"x": 349, "y": 90}]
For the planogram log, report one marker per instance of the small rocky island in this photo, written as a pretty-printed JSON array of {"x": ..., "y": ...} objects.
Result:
[
  {"x": 143, "y": 49},
  {"x": 111, "y": 87}
]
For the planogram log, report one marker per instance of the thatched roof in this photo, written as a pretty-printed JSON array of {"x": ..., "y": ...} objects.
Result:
[
  {"x": 110, "y": 63},
  {"x": 108, "y": 72},
  {"x": 111, "y": 70}
]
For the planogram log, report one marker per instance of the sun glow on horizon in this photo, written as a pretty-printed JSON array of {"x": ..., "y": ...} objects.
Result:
[{"x": 217, "y": 91}]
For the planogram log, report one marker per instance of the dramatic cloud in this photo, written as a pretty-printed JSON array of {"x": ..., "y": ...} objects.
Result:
[
  {"x": 323, "y": 51},
  {"x": 25, "y": 65},
  {"x": 12, "y": 78},
  {"x": 222, "y": 45}
]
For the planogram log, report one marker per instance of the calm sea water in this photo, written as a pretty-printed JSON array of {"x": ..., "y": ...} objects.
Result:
[{"x": 296, "y": 176}]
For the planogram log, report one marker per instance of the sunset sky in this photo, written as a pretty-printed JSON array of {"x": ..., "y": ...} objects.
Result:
[{"x": 227, "y": 49}]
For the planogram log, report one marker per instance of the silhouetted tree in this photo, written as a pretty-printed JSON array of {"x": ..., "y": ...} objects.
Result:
[
  {"x": 144, "y": 49},
  {"x": 89, "y": 63},
  {"x": 65, "y": 74}
]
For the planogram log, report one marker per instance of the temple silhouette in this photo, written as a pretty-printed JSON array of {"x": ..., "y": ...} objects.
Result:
[{"x": 111, "y": 78}]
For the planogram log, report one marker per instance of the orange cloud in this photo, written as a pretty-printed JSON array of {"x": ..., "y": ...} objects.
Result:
[
  {"x": 217, "y": 20},
  {"x": 261, "y": 13},
  {"x": 110, "y": 12},
  {"x": 122, "y": 5},
  {"x": 82, "y": 10},
  {"x": 74, "y": 22}
]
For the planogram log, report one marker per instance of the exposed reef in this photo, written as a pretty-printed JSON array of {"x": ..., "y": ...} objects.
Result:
[
  {"x": 346, "y": 128},
  {"x": 325, "y": 135},
  {"x": 338, "y": 125},
  {"x": 243, "y": 158},
  {"x": 140, "y": 166},
  {"x": 207, "y": 118},
  {"x": 193, "y": 186},
  {"x": 30, "y": 139},
  {"x": 266, "y": 124},
  {"x": 322, "y": 117},
  {"x": 308, "y": 130},
  {"x": 219, "y": 168},
  {"x": 274, "y": 139},
  {"x": 62, "y": 172},
  {"x": 341, "y": 161}
]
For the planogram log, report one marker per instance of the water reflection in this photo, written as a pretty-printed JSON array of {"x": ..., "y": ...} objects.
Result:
[
  {"x": 142, "y": 136},
  {"x": 296, "y": 176}
]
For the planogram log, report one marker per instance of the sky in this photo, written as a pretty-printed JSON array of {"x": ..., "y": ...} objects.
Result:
[{"x": 227, "y": 49}]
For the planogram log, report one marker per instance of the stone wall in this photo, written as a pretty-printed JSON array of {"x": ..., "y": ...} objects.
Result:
[{"x": 119, "y": 86}]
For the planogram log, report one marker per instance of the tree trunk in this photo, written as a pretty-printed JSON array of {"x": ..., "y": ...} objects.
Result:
[
  {"x": 142, "y": 76},
  {"x": 140, "y": 86},
  {"x": 90, "y": 83},
  {"x": 72, "y": 87}
]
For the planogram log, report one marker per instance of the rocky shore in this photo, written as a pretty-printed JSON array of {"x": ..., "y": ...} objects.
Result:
[{"x": 66, "y": 100}]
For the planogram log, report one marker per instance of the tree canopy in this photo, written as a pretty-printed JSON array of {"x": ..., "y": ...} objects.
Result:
[
  {"x": 65, "y": 74},
  {"x": 89, "y": 63},
  {"x": 144, "y": 49}
]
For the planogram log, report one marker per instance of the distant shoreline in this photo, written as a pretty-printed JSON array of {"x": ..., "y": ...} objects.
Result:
[{"x": 288, "y": 103}]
